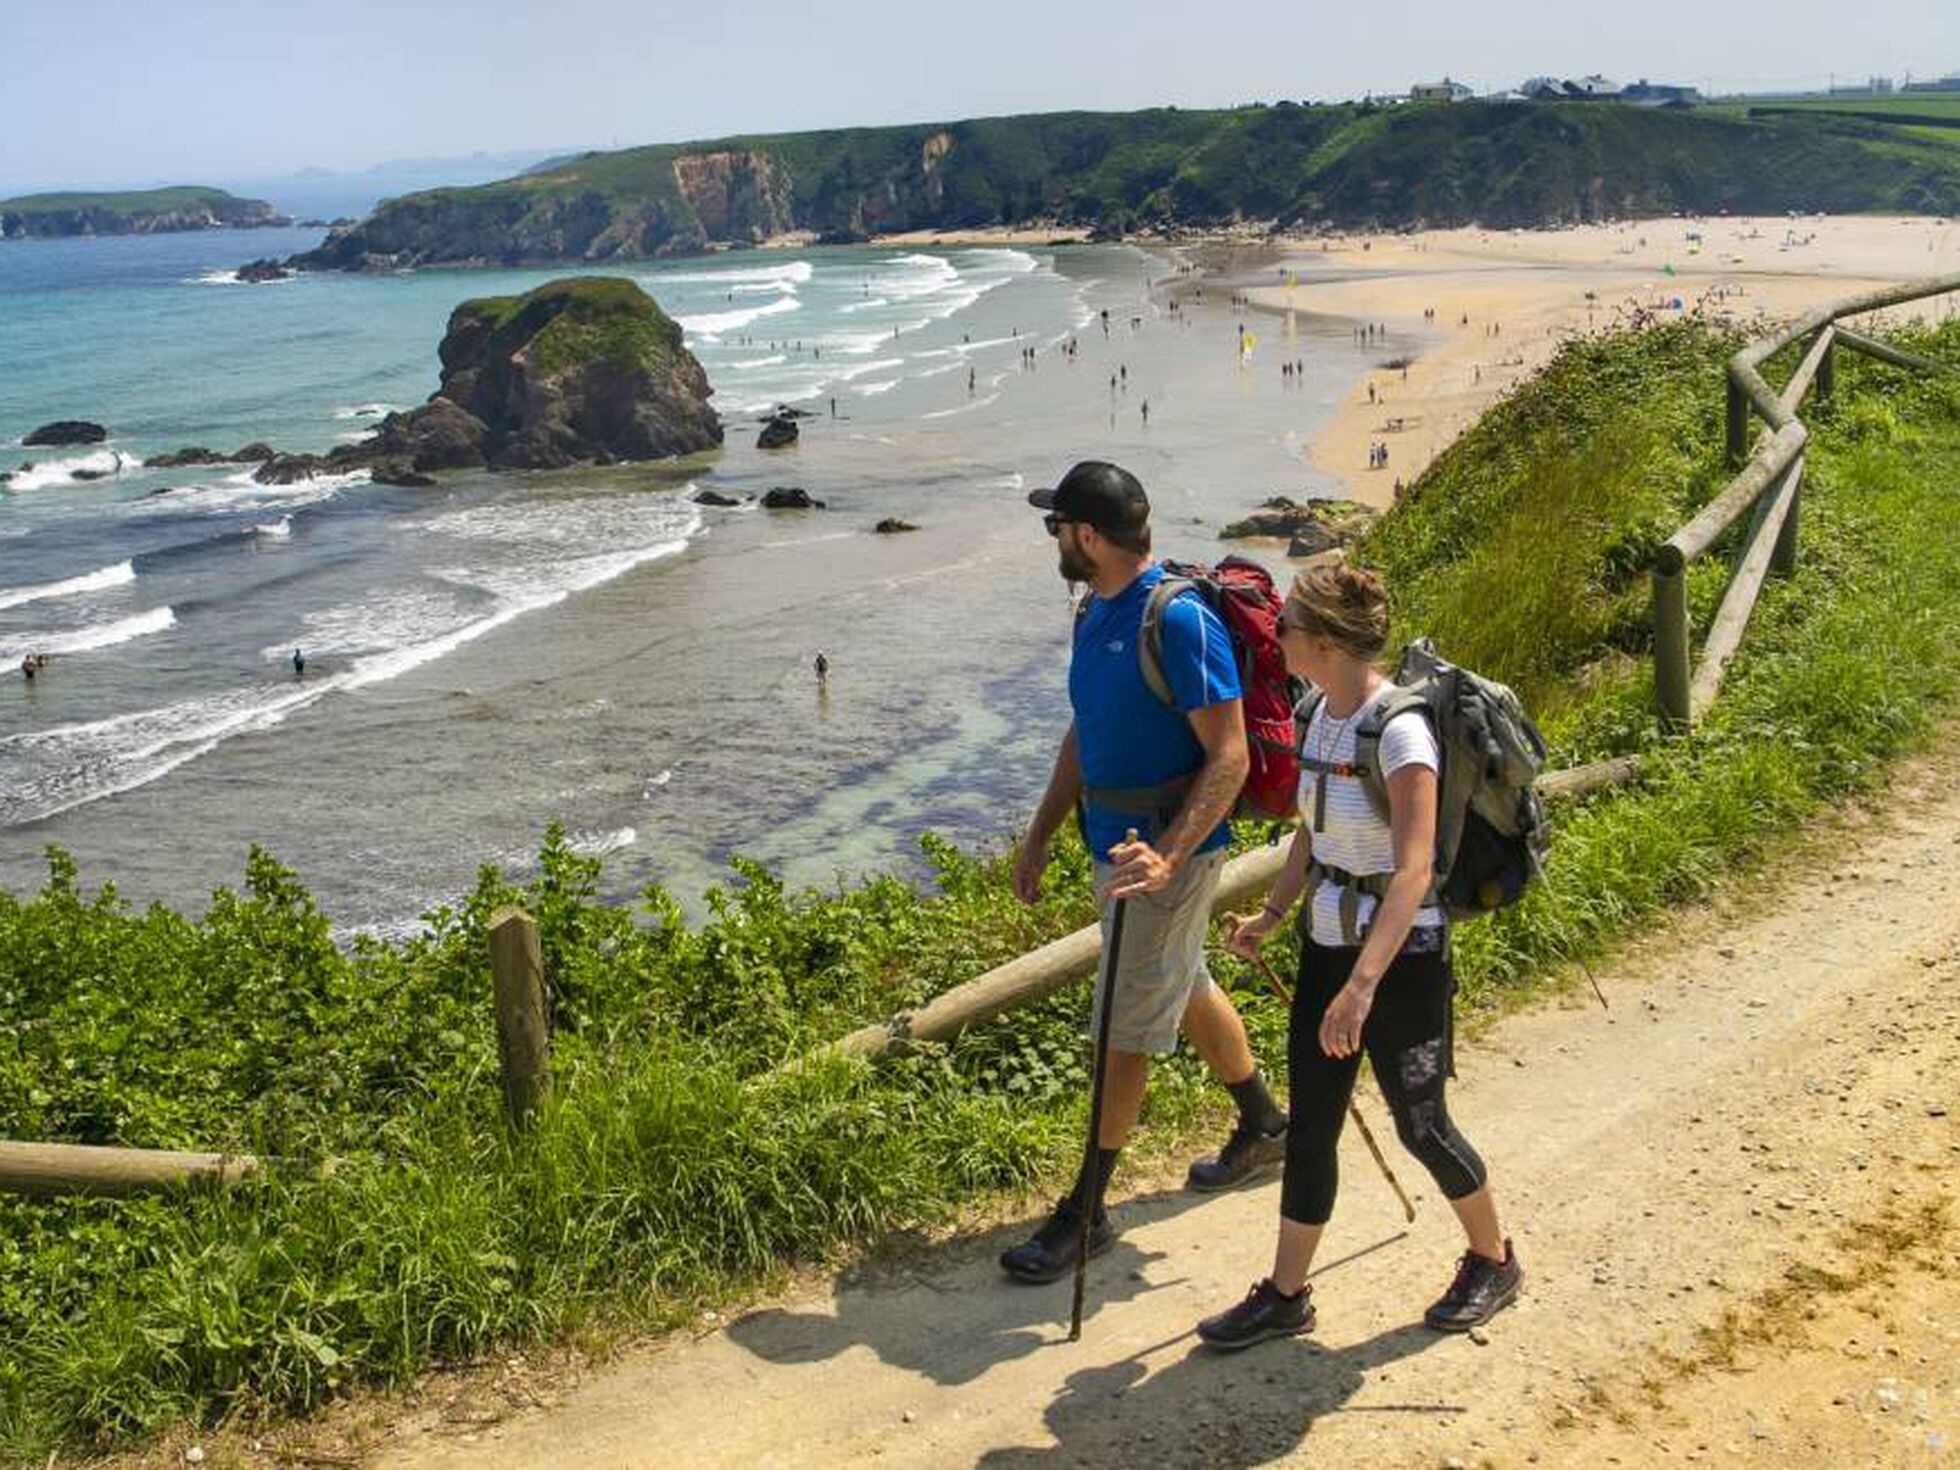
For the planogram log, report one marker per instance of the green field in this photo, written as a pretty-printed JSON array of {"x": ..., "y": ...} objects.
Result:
[{"x": 681, "y": 1161}]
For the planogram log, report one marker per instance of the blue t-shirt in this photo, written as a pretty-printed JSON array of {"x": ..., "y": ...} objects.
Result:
[{"x": 1126, "y": 736}]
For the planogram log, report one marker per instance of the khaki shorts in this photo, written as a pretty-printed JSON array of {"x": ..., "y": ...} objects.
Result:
[{"x": 1162, "y": 962}]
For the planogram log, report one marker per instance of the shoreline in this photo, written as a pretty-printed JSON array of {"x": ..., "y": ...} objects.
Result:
[{"x": 1503, "y": 303}]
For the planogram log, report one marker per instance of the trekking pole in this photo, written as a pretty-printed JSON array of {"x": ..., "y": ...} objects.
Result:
[
  {"x": 1354, "y": 1112},
  {"x": 1099, "y": 1071}
]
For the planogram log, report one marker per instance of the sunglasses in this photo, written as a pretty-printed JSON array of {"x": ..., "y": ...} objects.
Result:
[{"x": 1054, "y": 523}]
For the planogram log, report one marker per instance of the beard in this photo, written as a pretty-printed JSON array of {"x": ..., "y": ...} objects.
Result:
[{"x": 1075, "y": 567}]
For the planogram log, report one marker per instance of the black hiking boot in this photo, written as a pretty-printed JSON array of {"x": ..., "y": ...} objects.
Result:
[
  {"x": 1049, "y": 1254},
  {"x": 1248, "y": 1154},
  {"x": 1264, "y": 1313},
  {"x": 1482, "y": 1289}
]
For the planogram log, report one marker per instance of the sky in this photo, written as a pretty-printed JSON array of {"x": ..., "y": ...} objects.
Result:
[{"x": 130, "y": 92}]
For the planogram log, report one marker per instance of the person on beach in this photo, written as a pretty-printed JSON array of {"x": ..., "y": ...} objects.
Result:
[
  {"x": 822, "y": 666},
  {"x": 1374, "y": 973},
  {"x": 1129, "y": 761},
  {"x": 299, "y": 664},
  {"x": 28, "y": 668}
]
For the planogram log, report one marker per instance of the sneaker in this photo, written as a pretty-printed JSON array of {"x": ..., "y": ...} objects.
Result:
[
  {"x": 1247, "y": 1154},
  {"x": 1264, "y": 1313},
  {"x": 1049, "y": 1254},
  {"x": 1482, "y": 1289}
]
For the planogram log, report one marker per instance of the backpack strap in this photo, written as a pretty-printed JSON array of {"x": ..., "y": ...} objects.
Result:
[{"x": 1150, "y": 636}]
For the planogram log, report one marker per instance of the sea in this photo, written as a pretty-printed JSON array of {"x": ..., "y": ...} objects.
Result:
[{"x": 593, "y": 647}]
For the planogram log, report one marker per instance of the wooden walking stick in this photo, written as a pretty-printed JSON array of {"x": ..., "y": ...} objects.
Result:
[
  {"x": 1099, "y": 1070},
  {"x": 1354, "y": 1112}
]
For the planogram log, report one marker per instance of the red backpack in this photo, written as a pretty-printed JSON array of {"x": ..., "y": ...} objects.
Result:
[{"x": 1241, "y": 593}]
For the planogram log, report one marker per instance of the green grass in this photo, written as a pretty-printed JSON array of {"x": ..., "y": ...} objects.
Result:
[
  {"x": 169, "y": 200},
  {"x": 680, "y": 1161},
  {"x": 580, "y": 319}
]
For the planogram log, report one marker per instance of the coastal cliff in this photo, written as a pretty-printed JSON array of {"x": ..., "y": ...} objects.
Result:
[
  {"x": 1502, "y": 165},
  {"x": 143, "y": 212}
]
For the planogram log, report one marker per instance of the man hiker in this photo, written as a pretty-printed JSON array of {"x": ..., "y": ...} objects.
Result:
[
  {"x": 822, "y": 665},
  {"x": 1130, "y": 761}
]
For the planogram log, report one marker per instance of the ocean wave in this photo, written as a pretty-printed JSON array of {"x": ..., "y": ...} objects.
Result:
[
  {"x": 869, "y": 305},
  {"x": 243, "y": 493},
  {"x": 87, "y": 639},
  {"x": 365, "y": 411},
  {"x": 883, "y": 364},
  {"x": 118, "y": 575},
  {"x": 759, "y": 362},
  {"x": 279, "y": 529},
  {"x": 868, "y": 389},
  {"x": 72, "y": 765},
  {"x": 947, "y": 413},
  {"x": 714, "y": 323},
  {"x": 50, "y": 472},
  {"x": 790, "y": 272}
]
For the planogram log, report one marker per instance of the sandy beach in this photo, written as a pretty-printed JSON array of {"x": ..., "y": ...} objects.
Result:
[{"x": 1497, "y": 304}]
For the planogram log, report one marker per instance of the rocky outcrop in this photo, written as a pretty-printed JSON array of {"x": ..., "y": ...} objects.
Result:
[
  {"x": 778, "y": 433},
  {"x": 66, "y": 431},
  {"x": 394, "y": 472},
  {"x": 1309, "y": 528},
  {"x": 892, "y": 525},
  {"x": 190, "y": 454},
  {"x": 790, "y": 497},
  {"x": 254, "y": 272},
  {"x": 714, "y": 498},
  {"x": 586, "y": 369}
]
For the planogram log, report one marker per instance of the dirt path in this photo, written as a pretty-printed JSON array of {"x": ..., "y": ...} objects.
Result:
[{"x": 1731, "y": 1192}]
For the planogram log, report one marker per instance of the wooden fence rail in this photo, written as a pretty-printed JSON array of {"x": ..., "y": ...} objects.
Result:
[{"x": 1768, "y": 482}]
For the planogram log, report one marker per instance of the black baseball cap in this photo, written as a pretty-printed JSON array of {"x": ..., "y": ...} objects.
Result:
[{"x": 1099, "y": 494}]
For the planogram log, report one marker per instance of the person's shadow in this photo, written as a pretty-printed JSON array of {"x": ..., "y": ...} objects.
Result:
[
  {"x": 964, "y": 1316},
  {"x": 1213, "y": 1410}
]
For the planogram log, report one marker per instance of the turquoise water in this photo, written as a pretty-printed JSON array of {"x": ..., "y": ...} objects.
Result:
[{"x": 590, "y": 645}]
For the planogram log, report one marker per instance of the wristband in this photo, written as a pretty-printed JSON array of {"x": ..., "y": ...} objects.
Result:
[{"x": 1275, "y": 913}]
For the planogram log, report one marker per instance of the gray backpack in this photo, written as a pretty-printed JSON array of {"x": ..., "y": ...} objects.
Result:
[{"x": 1491, "y": 834}]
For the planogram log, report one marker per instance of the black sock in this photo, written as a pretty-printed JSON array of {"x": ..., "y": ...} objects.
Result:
[
  {"x": 1105, "y": 1166},
  {"x": 1256, "y": 1105}
]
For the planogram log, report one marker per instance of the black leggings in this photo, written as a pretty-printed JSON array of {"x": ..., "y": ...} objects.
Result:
[{"x": 1407, "y": 1037}]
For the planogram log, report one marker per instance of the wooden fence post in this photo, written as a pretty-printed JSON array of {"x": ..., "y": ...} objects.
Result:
[
  {"x": 1783, "y": 560},
  {"x": 1827, "y": 371},
  {"x": 1738, "y": 419},
  {"x": 1671, "y": 638},
  {"x": 523, "y": 1028}
]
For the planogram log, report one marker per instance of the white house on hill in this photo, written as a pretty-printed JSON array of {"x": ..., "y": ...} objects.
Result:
[{"x": 1443, "y": 91}]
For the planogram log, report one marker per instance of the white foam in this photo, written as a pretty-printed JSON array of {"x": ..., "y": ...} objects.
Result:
[
  {"x": 714, "y": 323},
  {"x": 867, "y": 389},
  {"x": 883, "y": 364},
  {"x": 790, "y": 272},
  {"x": 50, "y": 472},
  {"x": 365, "y": 411},
  {"x": 760, "y": 362},
  {"x": 118, "y": 575},
  {"x": 100, "y": 635},
  {"x": 946, "y": 413},
  {"x": 588, "y": 843},
  {"x": 870, "y": 305},
  {"x": 241, "y": 492},
  {"x": 278, "y": 530}
]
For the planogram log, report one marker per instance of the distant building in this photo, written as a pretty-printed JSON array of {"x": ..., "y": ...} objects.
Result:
[
  {"x": 1939, "y": 84},
  {"x": 1644, "y": 93},
  {"x": 1543, "y": 89},
  {"x": 1443, "y": 91},
  {"x": 1595, "y": 87}
]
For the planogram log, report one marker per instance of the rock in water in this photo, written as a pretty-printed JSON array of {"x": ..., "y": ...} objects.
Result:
[
  {"x": 255, "y": 271},
  {"x": 588, "y": 368},
  {"x": 714, "y": 497},
  {"x": 892, "y": 525},
  {"x": 778, "y": 433},
  {"x": 66, "y": 431},
  {"x": 790, "y": 497},
  {"x": 395, "y": 472}
]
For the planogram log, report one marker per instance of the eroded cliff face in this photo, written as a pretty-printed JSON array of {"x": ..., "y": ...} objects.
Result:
[{"x": 735, "y": 194}]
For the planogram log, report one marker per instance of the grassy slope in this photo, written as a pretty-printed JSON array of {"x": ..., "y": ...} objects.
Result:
[
  {"x": 675, "y": 1162},
  {"x": 1494, "y": 164},
  {"x": 170, "y": 200},
  {"x": 584, "y": 318}
]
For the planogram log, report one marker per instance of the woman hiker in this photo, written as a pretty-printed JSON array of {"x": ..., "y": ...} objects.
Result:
[{"x": 1380, "y": 982}]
